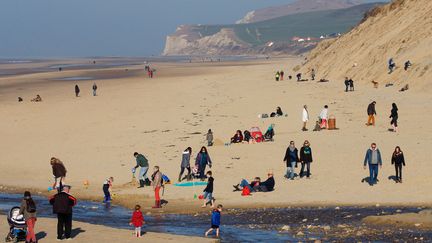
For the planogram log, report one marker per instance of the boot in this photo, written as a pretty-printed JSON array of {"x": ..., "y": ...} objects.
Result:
[
  {"x": 142, "y": 182},
  {"x": 180, "y": 179}
]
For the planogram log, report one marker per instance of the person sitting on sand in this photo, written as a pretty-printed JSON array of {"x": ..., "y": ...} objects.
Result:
[
  {"x": 247, "y": 136},
  {"x": 209, "y": 138},
  {"x": 298, "y": 77},
  {"x": 20, "y": 99},
  {"x": 268, "y": 185},
  {"x": 251, "y": 186},
  {"x": 269, "y": 134},
  {"x": 59, "y": 173},
  {"x": 36, "y": 99},
  {"x": 237, "y": 138},
  {"x": 279, "y": 111},
  {"x": 391, "y": 65},
  {"x": 407, "y": 65},
  {"x": 317, "y": 126}
]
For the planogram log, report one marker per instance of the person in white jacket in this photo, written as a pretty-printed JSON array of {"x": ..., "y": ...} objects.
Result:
[
  {"x": 305, "y": 117},
  {"x": 324, "y": 117}
]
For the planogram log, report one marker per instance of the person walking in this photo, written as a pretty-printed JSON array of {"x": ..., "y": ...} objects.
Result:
[
  {"x": 63, "y": 203},
  {"x": 371, "y": 114},
  {"x": 347, "y": 84},
  {"x": 59, "y": 173},
  {"x": 373, "y": 159},
  {"x": 208, "y": 191},
  {"x": 77, "y": 90},
  {"x": 106, "y": 188},
  {"x": 202, "y": 160},
  {"x": 142, "y": 162},
  {"x": 28, "y": 210},
  {"x": 209, "y": 138},
  {"x": 305, "y": 159},
  {"x": 324, "y": 117},
  {"x": 394, "y": 117},
  {"x": 94, "y": 89},
  {"x": 398, "y": 160},
  {"x": 305, "y": 117},
  {"x": 185, "y": 164},
  {"x": 157, "y": 184},
  {"x": 291, "y": 158},
  {"x": 215, "y": 221}
]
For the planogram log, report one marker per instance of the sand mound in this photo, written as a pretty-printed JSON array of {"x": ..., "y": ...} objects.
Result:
[
  {"x": 401, "y": 30},
  {"x": 423, "y": 219}
]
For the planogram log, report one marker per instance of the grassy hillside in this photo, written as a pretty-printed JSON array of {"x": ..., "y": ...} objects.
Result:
[{"x": 312, "y": 24}]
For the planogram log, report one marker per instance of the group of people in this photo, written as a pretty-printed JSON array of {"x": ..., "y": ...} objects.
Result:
[
  {"x": 321, "y": 123},
  {"x": 392, "y": 65},
  {"x": 202, "y": 160},
  {"x": 248, "y": 137},
  {"x": 349, "y": 84},
  {"x": 292, "y": 159},
  {"x": 394, "y": 116},
  {"x": 77, "y": 90},
  {"x": 256, "y": 185}
]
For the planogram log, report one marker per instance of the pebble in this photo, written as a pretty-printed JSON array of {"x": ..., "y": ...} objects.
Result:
[
  {"x": 300, "y": 233},
  {"x": 316, "y": 219},
  {"x": 285, "y": 228},
  {"x": 337, "y": 208},
  {"x": 377, "y": 205},
  {"x": 417, "y": 225},
  {"x": 326, "y": 227},
  {"x": 304, "y": 220},
  {"x": 398, "y": 211}
]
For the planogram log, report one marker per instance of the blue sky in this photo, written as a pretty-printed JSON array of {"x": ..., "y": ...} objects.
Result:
[{"x": 81, "y": 28}]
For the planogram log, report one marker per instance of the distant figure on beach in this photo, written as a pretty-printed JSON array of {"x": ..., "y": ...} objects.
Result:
[
  {"x": 106, "y": 188},
  {"x": 313, "y": 74},
  {"x": 291, "y": 158},
  {"x": 94, "y": 89},
  {"x": 247, "y": 187},
  {"x": 371, "y": 114},
  {"x": 238, "y": 137},
  {"x": 324, "y": 117},
  {"x": 351, "y": 84},
  {"x": 36, "y": 99},
  {"x": 157, "y": 185},
  {"x": 298, "y": 76},
  {"x": 373, "y": 159},
  {"x": 77, "y": 90},
  {"x": 59, "y": 173},
  {"x": 28, "y": 210},
  {"x": 208, "y": 191},
  {"x": 215, "y": 221},
  {"x": 267, "y": 185},
  {"x": 317, "y": 127},
  {"x": 279, "y": 111},
  {"x": 407, "y": 65},
  {"x": 60, "y": 69},
  {"x": 281, "y": 75},
  {"x": 185, "y": 164},
  {"x": 202, "y": 160},
  {"x": 269, "y": 134},
  {"x": 209, "y": 138},
  {"x": 347, "y": 84},
  {"x": 20, "y": 99},
  {"x": 143, "y": 164},
  {"x": 277, "y": 75},
  {"x": 305, "y": 159},
  {"x": 62, "y": 203},
  {"x": 289, "y": 77},
  {"x": 305, "y": 117},
  {"x": 137, "y": 220},
  {"x": 391, "y": 65},
  {"x": 398, "y": 160},
  {"x": 394, "y": 117}
]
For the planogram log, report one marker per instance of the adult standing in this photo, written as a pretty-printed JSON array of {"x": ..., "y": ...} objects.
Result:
[
  {"x": 291, "y": 158},
  {"x": 63, "y": 203},
  {"x": 394, "y": 117},
  {"x": 313, "y": 74},
  {"x": 157, "y": 184},
  {"x": 77, "y": 90},
  {"x": 59, "y": 173},
  {"x": 373, "y": 159},
  {"x": 143, "y": 163},
  {"x": 28, "y": 209},
  {"x": 185, "y": 163},
  {"x": 351, "y": 84},
  {"x": 347, "y": 84},
  {"x": 371, "y": 114},
  {"x": 305, "y": 158},
  {"x": 398, "y": 160},
  {"x": 305, "y": 117},
  {"x": 202, "y": 160},
  {"x": 324, "y": 117},
  {"x": 94, "y": 89},
  {"x": 209, "y": 138},
  {"x": 282, "y": 74},
  {"x": 277, "y": 76}
]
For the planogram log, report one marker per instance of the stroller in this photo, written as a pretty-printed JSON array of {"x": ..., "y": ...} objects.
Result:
[{"x": 17, "y": 224}]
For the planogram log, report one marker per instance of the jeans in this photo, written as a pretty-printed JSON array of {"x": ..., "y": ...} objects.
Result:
[
  {"x": 143, "y": 173},
  {"x": 94, "y": 92},
  {"x": 64, "y": 224},
  {"x": 290, "y": 170},
  {"x": 30, "y": 230},
  {"x": 398, "y": 168},
  {"x": 107, "y": 194},
  {"x": 303, "y": 167},
  {"x": 202, "y": 168},
  {"x": 208, "y": 196},
  {"x": 245, "y": 183},
  {"x": 373, "y": 173}
]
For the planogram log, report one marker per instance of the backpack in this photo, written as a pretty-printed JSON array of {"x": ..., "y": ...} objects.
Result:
[
  {"x": 31, "y": 206},
  {"x": 246, "y": 191}
]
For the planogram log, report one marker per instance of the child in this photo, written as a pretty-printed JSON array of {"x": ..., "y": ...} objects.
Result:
[
  {"x": 137, "y": 220},
  {"x": 107, "y": 189},
  {"x": 209, "y": 137},
  {"x": 208, "y": 191},
  {"x": 215, "y": 220}
]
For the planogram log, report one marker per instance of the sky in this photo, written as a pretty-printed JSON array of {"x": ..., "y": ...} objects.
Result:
[{"x": 84, "y": 28}]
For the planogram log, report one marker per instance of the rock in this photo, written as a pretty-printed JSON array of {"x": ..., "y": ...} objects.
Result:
[
  {"x": 316, "y": 219},
  {"x": 341, "y": 226},
  {"x": 337, "y": 208},
  {"x": 300, "y": 233},
  {"x": 417, "y": 225},
  {"x": 377, "y": 205},
  {"x": 398, "y": 211},
  {"x": 326, "y": 227},
  {"x": 304, "y": 220},
  {"x": 285, "y": 228}
]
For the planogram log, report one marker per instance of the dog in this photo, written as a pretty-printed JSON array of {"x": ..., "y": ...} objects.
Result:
[{"x": 375, "y": 84}]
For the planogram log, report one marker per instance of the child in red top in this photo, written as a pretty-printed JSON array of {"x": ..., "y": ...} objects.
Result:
[{"x": 137, "y": 220}]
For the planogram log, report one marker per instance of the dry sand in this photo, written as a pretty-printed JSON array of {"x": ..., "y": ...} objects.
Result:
[
  {"x": 96, "y": 136},
  {"x": 46, "y": 231}
]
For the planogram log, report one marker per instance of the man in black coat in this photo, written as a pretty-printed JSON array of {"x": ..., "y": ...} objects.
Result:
[
  {"x": 62, "y": 206},
  {"x": 371, "y": 114}
]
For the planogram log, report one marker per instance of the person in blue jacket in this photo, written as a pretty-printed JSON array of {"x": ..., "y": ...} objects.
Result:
[
  {"x": 215, "y": 220},
  {"x": 373, "y": 159}
]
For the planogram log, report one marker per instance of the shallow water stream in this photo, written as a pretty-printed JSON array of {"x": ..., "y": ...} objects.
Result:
[{"x": 254, "y": 225}]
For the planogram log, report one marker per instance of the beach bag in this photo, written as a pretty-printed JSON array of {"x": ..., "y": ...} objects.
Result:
[
  {"x": 165, "y": 179},
  {"x": 31, "y": 206},
  {"x": 246, "y": 191}
]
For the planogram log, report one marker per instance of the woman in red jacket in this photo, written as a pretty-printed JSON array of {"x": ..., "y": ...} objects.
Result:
[{"x": 137, "y": 220}]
